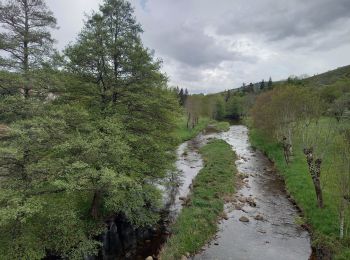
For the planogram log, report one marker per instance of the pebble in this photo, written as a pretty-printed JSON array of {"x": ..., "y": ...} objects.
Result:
[
  {"x": 243, "y": 219},
  {"x": 259, "y": 217}
]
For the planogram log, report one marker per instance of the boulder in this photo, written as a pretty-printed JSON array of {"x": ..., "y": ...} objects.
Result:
[{"x": 149, "y": 258}]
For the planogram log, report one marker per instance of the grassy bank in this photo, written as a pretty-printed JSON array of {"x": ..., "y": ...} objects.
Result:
[
  {"x": 197, "y": 222},
  {"x": 324, "y": 222},
  {"x": 220, "y": 126},
  {"x": 184, "y": 133}
]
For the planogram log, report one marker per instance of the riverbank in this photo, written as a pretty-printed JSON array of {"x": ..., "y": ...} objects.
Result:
[
  {"x": 197, "y": 222},
  {"x": 323, "y": 223},
  {"x": 183, "y": 133}
]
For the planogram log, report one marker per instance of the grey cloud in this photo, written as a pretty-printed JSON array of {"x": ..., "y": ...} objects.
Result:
[
  {"x": 278, "y": 20},
  {"x": 210, "y": 45},
  {"x": 192, "y": 47}
]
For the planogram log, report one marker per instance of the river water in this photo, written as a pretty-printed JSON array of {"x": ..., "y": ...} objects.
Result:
[{"x": 271, "y": 232}]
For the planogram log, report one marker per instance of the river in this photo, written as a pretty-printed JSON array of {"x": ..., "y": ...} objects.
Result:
[{"x": 271, "y": 232}]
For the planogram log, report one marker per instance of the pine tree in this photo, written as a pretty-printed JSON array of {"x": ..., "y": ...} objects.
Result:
[
  {"x": 250, "y": 87},
  {"x": 262, "y": 84},
  {"x": 269, "y": 84},
  {"x": 134, "y": 96},
  {"x": 109, "y": 38},
  {"x": 227, "y": 95},
  {"x": 26, "y": 37}
]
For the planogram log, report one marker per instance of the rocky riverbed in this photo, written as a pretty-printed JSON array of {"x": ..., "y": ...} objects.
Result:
[{"x": 260, "y": 219}]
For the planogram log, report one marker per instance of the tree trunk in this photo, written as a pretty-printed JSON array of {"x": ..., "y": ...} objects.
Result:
[
  {"x": 95, "y": 207},
  {"x": 286, "y": 150},
  {"x": 315, "y": 172},
  {"x": 188, "y": 120},
  {"x": 26, "y": 89},
  {"x": 341, "y": 218},
  {"x": 317, "y": 182}
]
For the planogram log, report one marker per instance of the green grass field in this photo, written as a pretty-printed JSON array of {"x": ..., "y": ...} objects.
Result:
[
  {"x": 197, "y": 222},
  {"x": 324, "y": 222}
]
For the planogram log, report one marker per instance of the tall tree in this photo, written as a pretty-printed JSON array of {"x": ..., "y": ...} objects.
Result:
[
  {"x": 26, "y": 37},
  {"x": 269, "y": 84},
  {"x": 137, "y": 109},
  {"x": 262, "y": 84},
  {"x": 105, "y": 47},
  {"x": 251, "y": 87}
]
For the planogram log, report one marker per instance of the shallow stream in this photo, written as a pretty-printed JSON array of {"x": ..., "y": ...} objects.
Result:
[{"x": 260, "y": 220}]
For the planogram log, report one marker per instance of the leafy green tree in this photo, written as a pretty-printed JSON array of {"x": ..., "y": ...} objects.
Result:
[
  {"x": 134, "y": 98},
  {"x": 94, "y": 146},
  {"x": 29, "y": 189},
  {"x": 26, "y": 37},
  {"x": 183, "y": 94},
  {"x": 340, "y": 106},
  {"x": 220, "y": 108},
  {"x": 234, "y": 107},
  {"x": 105, "y": 46}
]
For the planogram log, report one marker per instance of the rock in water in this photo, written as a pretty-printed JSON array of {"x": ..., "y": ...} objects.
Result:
[
  {"x": 259, "y": 217},
  {"x": 251, "y": 202},
  {"x": 243, "y": 219},
  {"x": 238, "y": 207},
  {"x": 243, "y": 200}
]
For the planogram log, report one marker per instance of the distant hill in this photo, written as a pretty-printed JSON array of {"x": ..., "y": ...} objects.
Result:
[
  {"x": 319, "y": 80},
  {"x": 329, "y": 77}
]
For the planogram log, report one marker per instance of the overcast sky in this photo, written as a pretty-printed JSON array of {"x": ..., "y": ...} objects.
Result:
[{"x": 212, "y": 45}]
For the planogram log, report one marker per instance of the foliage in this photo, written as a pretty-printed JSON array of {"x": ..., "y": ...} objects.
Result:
[
  {"x": 184, "y": 134},
  {"x": 91, "y": 142},
  {"x": 25, "y": 38},
  {"x": 221, "y": 126}
]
